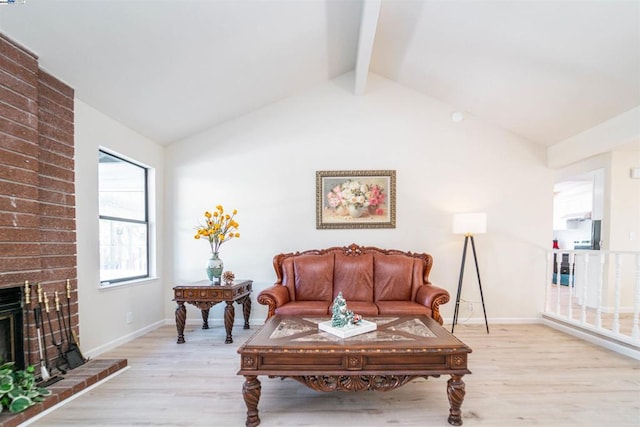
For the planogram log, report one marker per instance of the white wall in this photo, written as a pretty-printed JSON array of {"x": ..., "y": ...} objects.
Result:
[
  {"x": 264, "y": 165},
  {"x": 625, "y": 202},
  {"x": 625, "y": 226},
  {"x": 103, "y": 311}
]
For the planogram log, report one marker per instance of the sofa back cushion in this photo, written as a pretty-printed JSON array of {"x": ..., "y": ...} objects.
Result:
[
  {"x": 313, "y": 277},
  {"x": 353, "y": 276},
  {"x": 394, "y": 277}
]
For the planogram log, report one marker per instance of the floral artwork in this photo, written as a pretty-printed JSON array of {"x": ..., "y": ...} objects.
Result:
[
  {"x": 355, "y": 199},
  {"x": 354, "y": 194}
]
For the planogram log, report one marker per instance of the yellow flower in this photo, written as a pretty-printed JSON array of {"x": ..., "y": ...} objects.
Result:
[{"x": 218, "y": 228}]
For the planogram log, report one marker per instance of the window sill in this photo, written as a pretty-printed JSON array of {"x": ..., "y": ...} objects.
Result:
[{"x": 109, "y": 286}]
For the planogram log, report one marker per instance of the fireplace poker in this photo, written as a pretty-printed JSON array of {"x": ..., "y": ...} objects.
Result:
[
  {"x": 27, "y": 303},
  {"x": 44, "y": 372},
  {"x": 61, "y": 362},
  {"x": 42, "y": 344},
  {"x": 61, "y": 322},
  {"x": 70, "y": 338},
  {"x": 61, "y": 319}
]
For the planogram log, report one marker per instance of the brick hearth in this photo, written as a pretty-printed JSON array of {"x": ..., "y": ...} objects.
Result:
[{"x": 74, "y": 381}]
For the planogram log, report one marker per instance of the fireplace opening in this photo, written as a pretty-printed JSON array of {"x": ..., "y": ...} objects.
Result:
[{"x": 11, "y": 324}]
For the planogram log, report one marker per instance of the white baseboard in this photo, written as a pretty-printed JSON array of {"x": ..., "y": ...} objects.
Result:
[
  {"x": 594, "y": 337},
  {"x": 94, "y": 352}
]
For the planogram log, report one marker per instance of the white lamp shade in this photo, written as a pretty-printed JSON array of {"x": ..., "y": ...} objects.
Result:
[{"x": 470, "y": 223}]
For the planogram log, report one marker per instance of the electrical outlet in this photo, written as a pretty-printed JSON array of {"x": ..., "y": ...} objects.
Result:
[
  {"x": 129, "y": 317},
  {"x": 470, "y": 306}
]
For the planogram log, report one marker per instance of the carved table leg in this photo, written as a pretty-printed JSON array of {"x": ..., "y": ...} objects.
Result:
[
  {"x": 229, "y": 316},
  {"x": 181, "y": 316},
  {"x": 205, "y": 318},
  {"x": 455, "y": 393},
  {"x": 251, "y": 393},
  {"x": 246, "y": 310}
]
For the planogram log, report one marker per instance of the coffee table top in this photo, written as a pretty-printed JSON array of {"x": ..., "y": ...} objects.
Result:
[{"x": 395, "y": 334}]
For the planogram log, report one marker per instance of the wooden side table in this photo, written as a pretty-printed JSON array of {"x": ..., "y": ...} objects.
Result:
[{"x": 204, "y": 295}]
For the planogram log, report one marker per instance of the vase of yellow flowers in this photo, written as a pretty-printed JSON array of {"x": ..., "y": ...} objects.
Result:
[{"x": 219, "y": 227}]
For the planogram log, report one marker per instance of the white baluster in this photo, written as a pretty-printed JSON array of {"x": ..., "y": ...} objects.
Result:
[
  {"x": 558, "y": 267},
  {"x": 585, "y": 285},
  {"x": 549, "y": 281},
  {"x": 618, "y": 282},
  {"x": 572, "y": 260},
  {"x": 636, "y": 303},
  {"x": 600, "y": 284}
]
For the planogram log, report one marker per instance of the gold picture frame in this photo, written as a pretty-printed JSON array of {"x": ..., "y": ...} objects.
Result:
[{"x": 356, "y": 199}]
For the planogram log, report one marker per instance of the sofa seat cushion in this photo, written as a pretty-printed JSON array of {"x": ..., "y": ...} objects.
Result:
[
  {"x": 363, "y": 308},
  {"x": 402, "y": 308},
  {"x": 295, "y": 308}
]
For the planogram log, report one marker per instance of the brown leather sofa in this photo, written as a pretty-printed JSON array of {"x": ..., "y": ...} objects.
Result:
[{"x": 373, "y": 281}]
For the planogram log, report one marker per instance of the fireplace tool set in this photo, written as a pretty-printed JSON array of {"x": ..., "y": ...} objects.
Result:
[{"x": 69, "y": 356}]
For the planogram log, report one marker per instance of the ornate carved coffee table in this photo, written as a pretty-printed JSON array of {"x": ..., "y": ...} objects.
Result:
[
  {"x": 402, "y": 349},
  {"x": 203, "y": 295}
]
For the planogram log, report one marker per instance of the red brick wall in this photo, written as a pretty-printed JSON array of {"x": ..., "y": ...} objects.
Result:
[{"x": 37, "y": 191}]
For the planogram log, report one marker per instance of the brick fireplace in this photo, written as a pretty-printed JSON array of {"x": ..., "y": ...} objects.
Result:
[
  {"x": 37, "y": 193},
  {"x": 38, "y": 227}
]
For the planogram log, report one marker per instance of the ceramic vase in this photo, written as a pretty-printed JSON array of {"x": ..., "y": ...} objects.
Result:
[{"x": 214, "y": 269}]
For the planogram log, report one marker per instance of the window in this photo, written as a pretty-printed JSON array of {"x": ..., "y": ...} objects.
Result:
[{"x": 124, "y": 224}]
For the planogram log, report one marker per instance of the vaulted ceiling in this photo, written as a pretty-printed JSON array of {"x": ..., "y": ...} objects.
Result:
[{"x": 545, "y": 70}]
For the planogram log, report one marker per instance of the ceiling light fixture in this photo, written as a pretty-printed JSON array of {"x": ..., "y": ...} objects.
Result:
[{"x": 457, "y": 116}]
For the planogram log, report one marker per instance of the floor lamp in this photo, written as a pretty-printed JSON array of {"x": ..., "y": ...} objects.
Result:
[{"x": 469, "y": 224}]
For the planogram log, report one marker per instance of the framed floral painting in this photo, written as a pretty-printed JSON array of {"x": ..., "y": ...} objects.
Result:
[{"x": 356, "y": 199}]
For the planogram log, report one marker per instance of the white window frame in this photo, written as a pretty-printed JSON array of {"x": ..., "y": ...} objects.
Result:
[{"x": 146, "y": 222}]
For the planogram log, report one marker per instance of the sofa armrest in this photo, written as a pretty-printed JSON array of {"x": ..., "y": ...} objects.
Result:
[
  {"x": 432, "y": 296},
  {"x": 274, "y": 297}
]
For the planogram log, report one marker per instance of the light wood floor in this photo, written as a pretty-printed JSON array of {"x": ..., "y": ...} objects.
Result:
[{"x": 522, "y": 375}]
